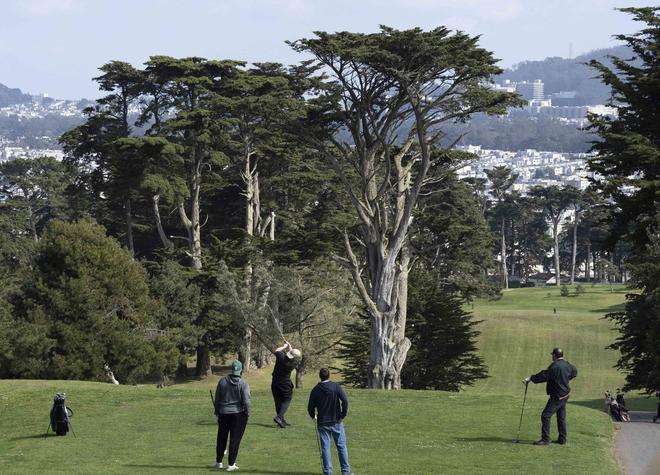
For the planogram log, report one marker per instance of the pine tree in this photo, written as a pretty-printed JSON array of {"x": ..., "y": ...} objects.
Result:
[
  {"x": 628, "y": 162},
  {"x": 444, "y": 353}
]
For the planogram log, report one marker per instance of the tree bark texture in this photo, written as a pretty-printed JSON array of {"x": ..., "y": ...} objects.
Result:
[
  {"x": 574, "y": 250},
  {"x": 555, "y": 238},
  {"x": 203, "y": 366},
  {"x": 505, "y": 278},
  {"x": 129, "y": 226},
  {"x": 588, "y": 269},
  {"x": 167, "y": 244}
]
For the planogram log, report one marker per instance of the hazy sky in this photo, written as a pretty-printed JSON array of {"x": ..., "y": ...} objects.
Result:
[{"x": 56, "y": 46}]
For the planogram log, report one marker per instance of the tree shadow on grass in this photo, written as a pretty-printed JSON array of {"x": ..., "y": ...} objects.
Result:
[
  {"x": 206, "y": 423},
  {"x": 211, "y": 469},
  {"x": 613, "y": 308},
  {"x": 34, "y": 436},
  {"x": 261, "y": 424},
  {"x": 180, "y": 467},
  {"x": 501, "y": 440},
  {"x": 598, "y": 404},
  {"x": 279, "y": 472}
]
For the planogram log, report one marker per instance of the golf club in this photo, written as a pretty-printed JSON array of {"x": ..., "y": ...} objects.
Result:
[
  {"x": 522, "y": 412},
  {"x": 213, "y": 401},
  {"x": 272, "y": 316}
]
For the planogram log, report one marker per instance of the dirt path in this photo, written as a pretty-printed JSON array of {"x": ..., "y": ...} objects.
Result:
[{"x": 638, "y": 444}]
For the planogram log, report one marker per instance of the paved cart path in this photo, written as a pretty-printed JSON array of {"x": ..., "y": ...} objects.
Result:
[{"x": 638, "y": 444}]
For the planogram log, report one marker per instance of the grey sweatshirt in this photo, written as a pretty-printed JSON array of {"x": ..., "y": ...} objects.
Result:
[{"x": 232, "y": 396}]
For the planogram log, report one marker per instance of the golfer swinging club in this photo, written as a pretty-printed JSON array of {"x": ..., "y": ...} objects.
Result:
[
  {"x": 556, "y": 377},
  {"x": 281, "y": 386}
]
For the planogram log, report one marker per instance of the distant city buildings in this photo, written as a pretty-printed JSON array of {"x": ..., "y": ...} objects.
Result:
[
  {"x": 563, "y": 105},
  {"x": 8, "y": 153},
  {"x": 530, "y": 91},
  {"x": 533, "y": 167},
  {"x": 42, "y": 106}
]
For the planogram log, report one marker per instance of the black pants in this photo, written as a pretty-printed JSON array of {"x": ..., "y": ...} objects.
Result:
[
  {"x": 282, "y": 395},
  {"x": 230, "y": 426},
  {"x": 558, "y": 406}
]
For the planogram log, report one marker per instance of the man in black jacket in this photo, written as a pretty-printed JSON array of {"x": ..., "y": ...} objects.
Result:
[
  {"x": 287, "y": 359},
  {"x": 556, "y": 377},
  {"x": 329, "y": 404}
]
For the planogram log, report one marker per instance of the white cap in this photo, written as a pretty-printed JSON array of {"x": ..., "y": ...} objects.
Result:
[{"x": 294, "y": 353}]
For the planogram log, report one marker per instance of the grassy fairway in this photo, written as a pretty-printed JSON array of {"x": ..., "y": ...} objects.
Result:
[
  {"x": 141, "y": 429},
  {"x": 520, "y": 330}
]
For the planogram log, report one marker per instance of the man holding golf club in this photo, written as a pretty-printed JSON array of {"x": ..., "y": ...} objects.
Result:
[
  {"x": 329, "y": 404},
  {"x": 232, "y": 408},
  {"x": 557, "y": 378},
  {"x": 286, "y": 360}
]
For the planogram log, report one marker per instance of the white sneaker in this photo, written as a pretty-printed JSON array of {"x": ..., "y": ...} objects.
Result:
[
  {"x": 232, "y": 468},
  {"x": 218, "y": 465}
]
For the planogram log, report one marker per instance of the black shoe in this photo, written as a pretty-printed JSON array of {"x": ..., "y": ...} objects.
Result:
[
  {"x": 542, "y": 442},
  {"x": 279, "y": 421},
  {"x": 286, "y": 424},
  {"x": 655, "y": 419},
  {"x": 560, "y": 442}
]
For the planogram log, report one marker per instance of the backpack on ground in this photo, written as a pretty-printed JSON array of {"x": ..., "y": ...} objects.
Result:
[{"x": 60, "y": 415}]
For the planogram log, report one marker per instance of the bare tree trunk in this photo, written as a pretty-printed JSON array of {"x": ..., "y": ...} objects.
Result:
[
  {"x": 389, "y": 345},
  {"x": 555, "y": 238},
  {"x": 262, "y": 357},
  {"x": 167, "y": 244},
  {"x": 505, "y": 278},
  {"x": 574, "y": 251},
  {"x": 588, "y": 269},
  {"x": 300, "y": 373},
  {"x": 245, "y": 352},
  {"x": 513, "y": 250},
  {"x": 203, "y": 366},
  {"x": 272, "y": 226},
  {"x": 33, "y": 225},
  {"x": 129, "y": 226},
  {"x": 196, "y": 231}
]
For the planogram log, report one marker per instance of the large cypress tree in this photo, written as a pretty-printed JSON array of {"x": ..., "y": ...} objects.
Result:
[{"x": 628, "y": 163}]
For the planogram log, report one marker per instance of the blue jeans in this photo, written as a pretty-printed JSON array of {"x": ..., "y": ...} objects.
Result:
[{"x": 336, "y": 432}]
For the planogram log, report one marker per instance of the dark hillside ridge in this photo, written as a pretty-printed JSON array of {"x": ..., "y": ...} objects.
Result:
[
  {"x": 563, "y": 74},
  {"x": 9, "y": 96}
]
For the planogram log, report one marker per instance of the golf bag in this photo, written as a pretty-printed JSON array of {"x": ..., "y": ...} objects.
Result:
[
  {"x": 60, "y": 414},
  {"x": 623, "y": 410}
]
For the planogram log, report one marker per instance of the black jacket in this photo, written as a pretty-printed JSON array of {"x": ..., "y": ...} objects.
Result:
[
  {"x": 283, "y": 367},
  {"x": 329, "y": 401},
  {"x": 557, "y": 376}
]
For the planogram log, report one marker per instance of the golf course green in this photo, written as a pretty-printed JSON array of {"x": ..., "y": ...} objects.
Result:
[{"x": 143, "y": 429}]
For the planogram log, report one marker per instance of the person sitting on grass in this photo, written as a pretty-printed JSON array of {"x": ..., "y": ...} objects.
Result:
[
  {"x": 621, "y": 401},
  {"x": 232, "y": 409}
]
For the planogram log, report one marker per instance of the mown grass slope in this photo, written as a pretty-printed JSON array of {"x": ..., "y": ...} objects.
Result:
[{"x": 142, "y": 429}]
